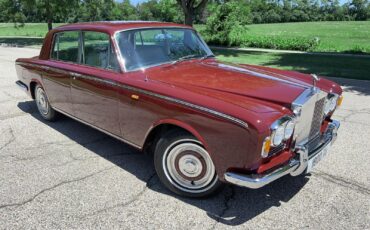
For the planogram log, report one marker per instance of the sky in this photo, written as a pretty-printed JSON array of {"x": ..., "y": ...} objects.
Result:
[{"x": 133, "y": 2}]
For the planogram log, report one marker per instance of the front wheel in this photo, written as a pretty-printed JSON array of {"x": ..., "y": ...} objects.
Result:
[
  {"x": 43, "y": 105},
  {"x": 184, "y": 166}
]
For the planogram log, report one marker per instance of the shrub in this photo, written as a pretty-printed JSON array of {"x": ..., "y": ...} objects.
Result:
[
  {"x": 241, "y": 37},
  {"x": 224, "y": 18},
  {"x": 226, "y": 25}
]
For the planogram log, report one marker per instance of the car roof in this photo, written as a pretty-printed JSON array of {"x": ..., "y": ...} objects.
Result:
[{"x": 113, "y": 26}]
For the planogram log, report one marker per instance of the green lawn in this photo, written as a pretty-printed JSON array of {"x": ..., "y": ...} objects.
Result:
[
  {"x": 332, "y": 66},
  {"x": 334, "y": 36},
  {"x": 29, "y": 30}
]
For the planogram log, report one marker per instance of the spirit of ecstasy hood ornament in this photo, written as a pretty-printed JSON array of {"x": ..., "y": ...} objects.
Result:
[{"x": 315, "y": 78}]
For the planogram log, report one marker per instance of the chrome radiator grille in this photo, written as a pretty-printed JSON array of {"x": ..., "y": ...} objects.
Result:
[
  {"x": 310, "y": 119},
  {"x": 317, "y": 118}
]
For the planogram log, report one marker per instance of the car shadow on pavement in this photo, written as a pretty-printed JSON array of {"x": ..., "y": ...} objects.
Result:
[{"x": 232, "y": 206}]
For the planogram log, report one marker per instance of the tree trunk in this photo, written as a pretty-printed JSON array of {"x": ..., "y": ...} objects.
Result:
[
  {"x": 189, "y": 18},
  {"x": 50, "y": 24},
  {"x": 49, "y": 15}
]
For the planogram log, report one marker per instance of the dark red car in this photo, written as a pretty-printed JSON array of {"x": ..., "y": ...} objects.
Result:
[{"x": 158, "y": 87}]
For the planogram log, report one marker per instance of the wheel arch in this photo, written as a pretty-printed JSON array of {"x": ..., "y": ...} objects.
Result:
[
  {"x": 160, "y": 127},
  {"x": 33, "y": 84}
]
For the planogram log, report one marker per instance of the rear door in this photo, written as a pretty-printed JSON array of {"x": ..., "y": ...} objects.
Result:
[{"x": 94, "y": 94}]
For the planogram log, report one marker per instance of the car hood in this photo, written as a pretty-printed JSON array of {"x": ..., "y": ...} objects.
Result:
[{"x": 233, "y": 83}]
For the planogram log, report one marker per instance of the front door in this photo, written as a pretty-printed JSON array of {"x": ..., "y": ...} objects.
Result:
[
  {"x": 94, "y": 95},
  {"x": 56, "y": 77}
]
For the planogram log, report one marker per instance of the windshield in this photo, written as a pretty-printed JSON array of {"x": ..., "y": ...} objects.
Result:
[{"x": 148, "y": 47}]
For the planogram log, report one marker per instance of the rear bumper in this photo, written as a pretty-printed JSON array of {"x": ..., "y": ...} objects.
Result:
[
  {"x": 295, "y": 167},
  {"x": 22, "y": 86}
]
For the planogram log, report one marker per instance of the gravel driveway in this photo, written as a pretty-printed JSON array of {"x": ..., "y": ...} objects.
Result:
[{"x": 67, "y": 175}]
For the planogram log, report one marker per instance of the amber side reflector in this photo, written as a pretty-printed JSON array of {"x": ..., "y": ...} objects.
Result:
[
  {"x": 135, "y": 97},
  {"x": 266, "y": 147},
  {"x": 340, "y": 100}
]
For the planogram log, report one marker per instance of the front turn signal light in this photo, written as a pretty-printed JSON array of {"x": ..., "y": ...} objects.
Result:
[
  {"x": 340, "y": 100},
  {"x": 266, "y": 147}
]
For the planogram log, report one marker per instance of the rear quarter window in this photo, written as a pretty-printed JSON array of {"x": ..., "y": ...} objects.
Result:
[{"x": 66, "y": 46}]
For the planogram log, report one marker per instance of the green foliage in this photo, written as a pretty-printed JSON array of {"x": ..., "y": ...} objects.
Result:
[
  {"x": 12, "y": 11},
  {"x": 358, "y": 9},
  {"x": 258, "y": 11},
  {"x": 351, "y": 37},
  {"x": 263, "y": 11},
  {"x": 227, "y": 26},
  {"x": 163, "y": 10},
  {"x": 224, "y": 19},
  {"x": 19, "y": 11},
  {"x": 241, "y": 37}
]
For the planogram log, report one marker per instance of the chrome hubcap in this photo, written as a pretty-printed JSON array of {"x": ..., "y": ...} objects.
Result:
[
  {"x": 188, "y": 166},
  {"x": 41, "y": 101}
]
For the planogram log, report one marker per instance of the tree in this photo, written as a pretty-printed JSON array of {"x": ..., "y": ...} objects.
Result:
[
  {"x": 148, "y": 11},
  {"x": 12, "y": 11},
  {"x": 225, "y": 18},
  {"x": 191, "y": 8},
  {"x": 169, "y": 11},
  {"x": 126, "y": 11},
  {"x": 358, "y": 9},
  {"x": 17, "y": 10}
]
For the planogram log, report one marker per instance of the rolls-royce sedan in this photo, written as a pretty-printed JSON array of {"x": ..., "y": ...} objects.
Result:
[{"x": 158, "y": 87}]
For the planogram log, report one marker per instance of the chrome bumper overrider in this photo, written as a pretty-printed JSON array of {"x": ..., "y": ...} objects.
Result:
[
  {"x": 295, "y": 167},
  {"x": 22, "y": 86}
]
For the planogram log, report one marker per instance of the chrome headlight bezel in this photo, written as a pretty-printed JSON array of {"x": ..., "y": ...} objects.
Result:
[
  {"x": 330, "y": 103},
  {"x": 279, "y": 130},
  {"x": 289, "y": 129}
]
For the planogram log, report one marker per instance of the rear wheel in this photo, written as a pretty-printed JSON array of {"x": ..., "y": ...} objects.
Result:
[
  {"x": 184, "y": 166},
  {"x": 43, "y": 105}
]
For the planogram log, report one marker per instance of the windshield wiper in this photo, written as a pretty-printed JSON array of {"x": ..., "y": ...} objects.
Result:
[{"x": 187, "y": 57}]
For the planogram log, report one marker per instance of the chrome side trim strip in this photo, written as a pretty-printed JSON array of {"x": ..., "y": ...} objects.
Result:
[
  {"x": 257, "y": 74},
  {"x": 99, "y": 129},
  {"x": 138, "y": 90}
]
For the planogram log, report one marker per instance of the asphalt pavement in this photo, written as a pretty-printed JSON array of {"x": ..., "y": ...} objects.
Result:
[{"x": 67, "y": 175}]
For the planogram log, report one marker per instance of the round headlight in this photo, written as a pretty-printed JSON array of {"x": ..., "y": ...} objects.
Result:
[
  {"x": 289, "y": 128},
  {"x": 278, "y": 135}
]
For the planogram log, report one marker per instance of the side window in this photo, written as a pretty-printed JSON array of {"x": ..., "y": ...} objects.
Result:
[
  {"x": 138, "y": 39},
  {"x": 98, "y": 52},
  {"x": 152, "y": 37},
  {"x": 66, "y": 46}
]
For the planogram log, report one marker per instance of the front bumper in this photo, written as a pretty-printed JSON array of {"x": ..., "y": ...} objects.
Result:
[{"x": 295, "y": 167}]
